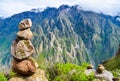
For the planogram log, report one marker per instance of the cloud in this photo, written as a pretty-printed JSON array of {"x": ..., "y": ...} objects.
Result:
[{"x": 10, "y": 7}]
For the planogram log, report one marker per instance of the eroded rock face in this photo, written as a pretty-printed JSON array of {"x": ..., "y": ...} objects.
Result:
[
  {"x": 25, "y": 34},
  {"x": 22, "y": 49},
  {"x": 25, "y": 23},
  {"x": 25, "y": 67}
]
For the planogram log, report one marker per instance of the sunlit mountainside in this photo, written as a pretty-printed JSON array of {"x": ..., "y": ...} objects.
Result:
[{"x": 65, "y": 34}]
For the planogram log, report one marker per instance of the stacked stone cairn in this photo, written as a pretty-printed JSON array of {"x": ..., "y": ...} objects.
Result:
[{"x": 22, "y": 49}]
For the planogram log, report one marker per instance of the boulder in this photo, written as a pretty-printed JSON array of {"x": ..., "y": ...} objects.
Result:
[
  {"x": 39, "y": 75},
  {"x": 25, "y": 23},
  {"x": 17, "y": 79},
  {"x": 89, "y": 71},
  {"x": 100, "y": 69},
  {"x": 90, "y": 66},
  {"x": 24, "y": 67},
  {"x": 105, "y": 75},
  {"x": 22, "y": 49},
  {"x": 25, "y": 34}
]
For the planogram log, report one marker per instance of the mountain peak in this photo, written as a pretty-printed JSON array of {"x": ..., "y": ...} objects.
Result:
[
  {"x": 37, "y": 10},
  {"x": 62, "y": 7}
]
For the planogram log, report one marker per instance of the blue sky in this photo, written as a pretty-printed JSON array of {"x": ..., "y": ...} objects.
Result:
[{"x": 10, "y": 7}]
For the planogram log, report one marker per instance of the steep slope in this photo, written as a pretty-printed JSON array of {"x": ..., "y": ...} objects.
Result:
[
  {"x": 114, "y": 62},
  {"x": 65, "y": 34}
]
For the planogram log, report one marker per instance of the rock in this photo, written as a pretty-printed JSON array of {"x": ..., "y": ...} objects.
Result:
[
  {"x": 25, "y": 67},
  {"x": 22, "y": 49},
  {"x": 89, "y": 71},
  {"x": 35, "y": 62},
  {"x": 116, "y": 79},
  {"x": 25, "y": 34},
  {"x": 103, "y": 74},
  {"x": 90, "y": 66},
  {"x": 106, "y": 75},
  {"x": 25, "y": 23},
  {"x": 39, "y": 75},
  {"x": 100, "y": 69},
  {"x": 17, "y": 79}
]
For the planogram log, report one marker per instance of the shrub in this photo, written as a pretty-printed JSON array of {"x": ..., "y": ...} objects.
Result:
[
  {"x": 116, "y": 73},
  {"x": 69, "y": 72},
  {"x": 11, "y": 74},
  {"x": 2, "y": 77}
]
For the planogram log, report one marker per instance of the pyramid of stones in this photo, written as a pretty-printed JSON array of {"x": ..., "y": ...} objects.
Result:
[{"x": 22, "y": 49}]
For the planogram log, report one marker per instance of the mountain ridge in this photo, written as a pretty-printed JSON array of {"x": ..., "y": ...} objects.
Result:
[{"x": 66, "y": 34}]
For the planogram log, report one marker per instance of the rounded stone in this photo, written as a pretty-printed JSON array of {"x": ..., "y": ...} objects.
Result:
[
  {"x": 25, "y": 34},
  {"x": 24, "y": 67},
  {"x": 100, "y": 68},
  {"x": 90, "y": 66},
  {"x": 25, "y": 23},
  {"x": 22, "y": 49}
]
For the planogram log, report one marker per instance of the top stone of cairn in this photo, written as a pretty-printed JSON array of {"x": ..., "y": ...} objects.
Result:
[{"x": 25, "y": 23}]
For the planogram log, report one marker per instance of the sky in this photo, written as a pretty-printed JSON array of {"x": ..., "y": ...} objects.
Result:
[{"x": 10, "y": 7}]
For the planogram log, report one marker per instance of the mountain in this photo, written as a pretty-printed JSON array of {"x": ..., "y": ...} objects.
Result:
[{"x": 65, "y": 34}]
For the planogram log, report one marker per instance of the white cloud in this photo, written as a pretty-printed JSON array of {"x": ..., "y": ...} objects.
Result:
[{"x": 10, "y": 7}]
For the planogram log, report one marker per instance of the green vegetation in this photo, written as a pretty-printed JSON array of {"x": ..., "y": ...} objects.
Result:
[
  {"x": 64, "y": 72},
  {"x": 116, "y": 73},
  {"x": 113, "y": 63},
  {"x": 11, "y": 73},
  {"x": 2, "y": 77},
  {"x": 6, "y": 75},
  {"x": 69, "y": 72}
]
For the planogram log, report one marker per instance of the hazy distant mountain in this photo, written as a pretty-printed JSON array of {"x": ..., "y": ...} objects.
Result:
[{"x": 65, "y": 34}]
